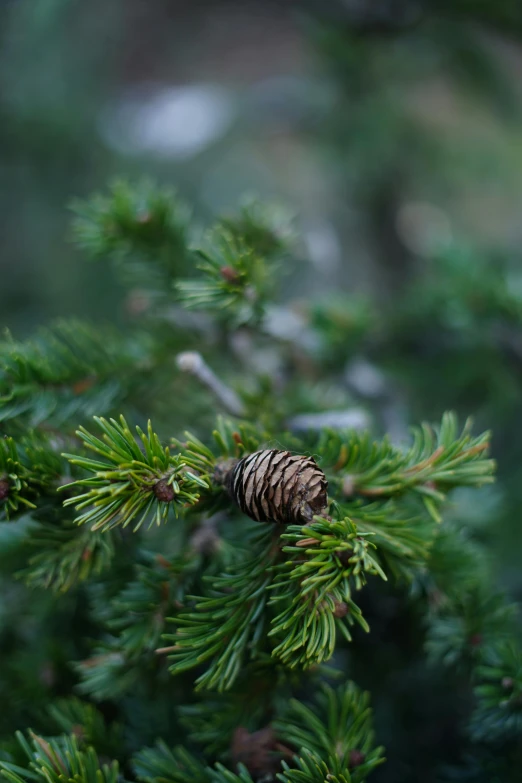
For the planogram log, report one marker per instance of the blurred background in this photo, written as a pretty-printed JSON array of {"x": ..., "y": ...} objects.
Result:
[{"x": 393, "y": 130}]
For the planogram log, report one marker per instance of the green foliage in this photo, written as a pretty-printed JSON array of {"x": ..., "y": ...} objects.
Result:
[
  {"x": 59, "y": 761},
  {"x": 334, "y": 738},
  {"x": 402, "y": 533},
  {"x": 464, "y": 625},
  {"x": 164, "y": 765},
  {"x": 313, "y": 589},
  {"x": 236, "y": 281},
  {"x": 15, "y": 479},
  {"x": 439, "y": 460},
  {"x": 227, "y": 625},
  {"x": 65, "y": 555},
  {"x": 332, "y": 742},
  {"x": 498, "y": 712},
  {"x": 135, "y": 620},
  {"x": 73, "y": 716},
  {"x": 141, "y": 227},
  {"x": 266, "y": 228},
  {"x": 249, "y": 612},
  {"x": 67, "y": 372},
  {"x": 131, "y": 481}
]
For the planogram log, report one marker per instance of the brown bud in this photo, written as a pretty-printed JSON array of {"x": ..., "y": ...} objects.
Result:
[
  {"x": 507, "y": 683},
  {"x": 143, "y": 217},
  {"x": 356, "y": 758},
  {"x": 164, "y": 491},
  {"x": 341, "y": 609},
  {"x": 4, "y": 489},
  {"x": 229, "y": 274},
  {"x": 475, "y": 640}
]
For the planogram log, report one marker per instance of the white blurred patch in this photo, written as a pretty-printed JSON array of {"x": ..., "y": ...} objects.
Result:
[
  {"x": 169, "y": 122},
  {"x": 322, "y": 245},
  {"x": 424, "y": 228}
]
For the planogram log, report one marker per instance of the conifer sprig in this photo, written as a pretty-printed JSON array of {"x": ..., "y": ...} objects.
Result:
[
  {"x": 236, "y": 283},
  {"x": 65, "y": 373},
  {"x": 498, "y": 712},
  {"x": 65, "y": 555},
  {"x": 313, "y": 590},
  {"x": 438, "y": 460},
  {"x": 16, "y": 480},
  {"x": 134, "y": 479},
  {"x": 227, "y": 625},
  {"x": 332, "y": 742},
  {"x": 335, "y": 737},
  {"x": 136, "y": 222},
  {"x": 58, "y": 760}
]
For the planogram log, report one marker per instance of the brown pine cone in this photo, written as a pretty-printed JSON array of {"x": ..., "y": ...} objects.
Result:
[{"x": 276, "y": 486}]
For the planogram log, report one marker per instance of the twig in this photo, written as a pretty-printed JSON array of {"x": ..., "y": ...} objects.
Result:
[{"x": 193, "y": 362}]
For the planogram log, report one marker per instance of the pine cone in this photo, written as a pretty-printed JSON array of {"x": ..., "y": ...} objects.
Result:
[{"x": 276, "y": 486}]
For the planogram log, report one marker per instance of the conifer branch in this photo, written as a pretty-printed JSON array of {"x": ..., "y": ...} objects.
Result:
[
  {"x": 236, "y": 283},
  {"x": 227, "y": 624},
  {"x": 132, "y": 481},
  {"x": 498, "y": 711},
  {"x": 135, "y": 619},
  {"x": 65, "y": 373},
  {"x": 313, "y": 589},
  {"x": 141, "y": 227},
  {"x": 65, "y": 555},
  {"x": 58, "y": 760},
  {"x": 439, "y": 460}
]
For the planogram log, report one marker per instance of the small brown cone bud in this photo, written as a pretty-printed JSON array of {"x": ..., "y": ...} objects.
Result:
[
  {"x": 4, "y": 489},
  {"x": 507, "y": 683},
  {"x": 277, "y": 486},
  {"x": 475, "y": 640},
  {"x": 341, "y": 609},
  {"x": 229, "y": 274},
  {"x": 356, "y": 758},
  {"x": 163, "y": 491}
]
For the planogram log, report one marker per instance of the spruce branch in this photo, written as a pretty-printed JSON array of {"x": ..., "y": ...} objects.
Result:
[
  {"x": 58, "y": 760},
  {"x": 463, "y": 626},
  {"x": 86, "y": 722},
  {"x": 498, "y": 712},
  {"x": 236, "y": 284},
  {"x": 141, "y": 226},
  {"x": 17, "y": 483},
  {"x": 226, "y": 626},
  {"x": 266, "y": 228},
  {"x": 403, "y": 537},
  {"x": 65, "y": 556},
  {"x": 135, "y": 619},
  {"x": 438, "y": 460},
  {"x": 335, "y": 737},
  {"x": 313, "y": 589},
  {"x": 131, "y": 482},
  {"x": 162, "y": 764},
  {"x": 66, "y": 372}
]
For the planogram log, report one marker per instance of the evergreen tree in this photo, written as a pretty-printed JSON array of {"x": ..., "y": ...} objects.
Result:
[{"x": 194, "y": 606}]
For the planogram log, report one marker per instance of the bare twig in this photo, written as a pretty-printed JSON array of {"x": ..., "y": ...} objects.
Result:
[{"x": 193, "y": 362}]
